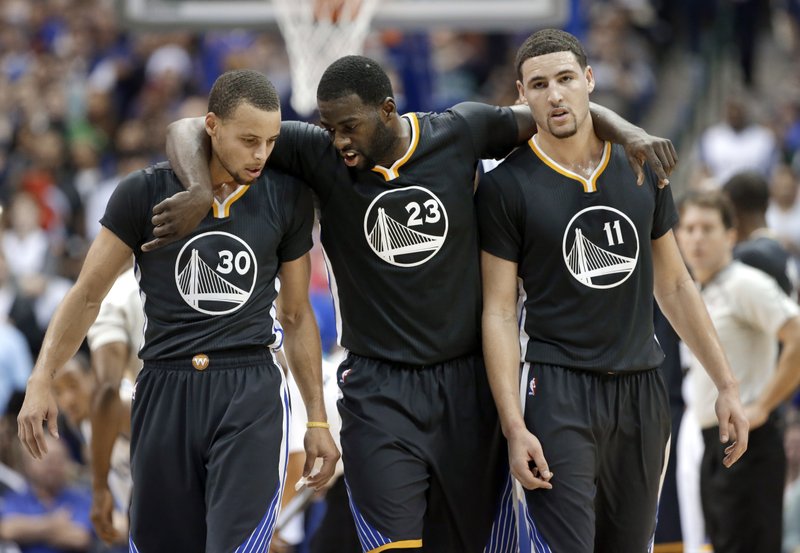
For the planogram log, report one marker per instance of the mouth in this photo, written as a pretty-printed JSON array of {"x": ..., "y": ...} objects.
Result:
[
  {"x": 253, "y": 173},
  {"x": 351, "y": 158},
  {"x": 559, "y": 114}
]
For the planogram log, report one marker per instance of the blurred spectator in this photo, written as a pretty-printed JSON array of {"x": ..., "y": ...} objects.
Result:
[
  {"x": 25, "y": 244},
  {"x": 736, "y": 144},
  {"x": 783, "y": 213},
  {"x": 49, "y": 516},
  {"x": 757, "y": 245},
  {"x": 15, "y": 363}
]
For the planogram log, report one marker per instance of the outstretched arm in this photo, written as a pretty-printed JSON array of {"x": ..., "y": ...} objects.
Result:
[
  {"x": 188, "y": 149},
  {"x": 107, "y": 256},
  {"x": 501, "y": 353},
  {"x": 640, "y": 146},
  {"x": 681, "y": 303},
  {"x": 304, "y": 355}
]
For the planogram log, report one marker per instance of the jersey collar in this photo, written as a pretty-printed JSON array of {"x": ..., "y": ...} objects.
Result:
[
  {"x": 391, "y": 173},
  {"x": 223, "y": 209},
  {"x": 590, "y": 184}
]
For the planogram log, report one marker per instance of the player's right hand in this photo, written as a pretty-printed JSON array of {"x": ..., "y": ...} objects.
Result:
[
  {"x": 102, "y": 516},
  {"x": 527, "y": 461},
  {"x": 39, "y": 406},
  {"x": 177, "y": 216},
  {"x": 319, "y": 443}
]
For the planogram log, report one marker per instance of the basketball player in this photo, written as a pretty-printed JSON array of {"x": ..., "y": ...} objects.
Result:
[
  {"x": 210, "y": 407},
  {"x": 567, "y": 238},
  {"x": 424, "y": 463}
]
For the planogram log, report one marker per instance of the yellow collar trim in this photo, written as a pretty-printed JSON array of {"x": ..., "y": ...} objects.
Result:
[
  {"x": 403, "y": 544},
  {"x": 590, "y": 184},
  {"x": 223, "y": 209},
  {"x": 391, "y": 173}
]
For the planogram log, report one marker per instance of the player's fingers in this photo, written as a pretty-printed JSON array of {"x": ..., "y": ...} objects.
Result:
[
  {"x": 156, "y": 243},
  {"x": 541, "y": 464},
  {"x": 22, "y": 434},
  {"x": 52, "y": 425},
  {"x": 724, "y": 432},
  {"x": 636, "y": 165},
  {"x": 325, "y": 473},
  {"x": 309, "y": 464},
  {"x": 28, "y": 435},
  {"x": 673, "y": 153},
  {"x": 656, "y": 165}
]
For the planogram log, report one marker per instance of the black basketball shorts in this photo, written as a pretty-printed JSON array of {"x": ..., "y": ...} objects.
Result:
[
  {"x": 605, "y": 438},
  {"x": 424, "y": 460},
  {"x": 208, "y": 453}
]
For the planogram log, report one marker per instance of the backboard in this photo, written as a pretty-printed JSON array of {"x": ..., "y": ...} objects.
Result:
[{"x": 485, "y": 15}]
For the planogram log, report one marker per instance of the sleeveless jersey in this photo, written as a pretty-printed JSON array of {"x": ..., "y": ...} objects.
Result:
[
  {"x": 401, "y": 242},
  {"x": 583, "y": 249},
  {"x": 213, "y": 290}
]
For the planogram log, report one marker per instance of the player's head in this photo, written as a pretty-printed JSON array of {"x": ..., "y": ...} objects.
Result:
[
  {"x": 243, "y": 121},
  {"x": 356, "y": 105},
  {"x": 706, "y": 232},
  {"x": 73, "y": 387},
  {"x": 748, "y": 192},
  {"x": 555, "y": 81}
]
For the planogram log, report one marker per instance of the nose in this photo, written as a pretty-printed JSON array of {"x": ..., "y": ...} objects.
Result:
[
  {"x": 341, "y": 141},
  {"x": 261, "y": 152},
  {"x": 554, "y": 94}
]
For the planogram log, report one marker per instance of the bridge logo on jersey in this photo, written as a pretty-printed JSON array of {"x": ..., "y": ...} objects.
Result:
[
  {"x": 406, "y": 227},
  {"x": 600, "y": 247},
  {"x": 215, "y": 273}
]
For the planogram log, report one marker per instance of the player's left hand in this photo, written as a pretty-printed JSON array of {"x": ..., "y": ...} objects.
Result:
[
  {"x": 659, "y": 153},
  {"x": 102, "y": 515},
  {"x": 319, "y": 445},
  {"x": 733, "y": 424},
  {"x": 177, "y": 216}
]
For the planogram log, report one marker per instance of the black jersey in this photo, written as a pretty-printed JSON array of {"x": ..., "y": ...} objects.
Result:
[
  {"x": 768, "y": 255},
  {"x": 401, "y": 242},
  {"x": 213, "y": 290},
  {"x": 583, "y": 249}
]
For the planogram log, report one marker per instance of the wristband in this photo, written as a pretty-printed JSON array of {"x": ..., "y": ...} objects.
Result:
[{"x": 312, "y": 424}]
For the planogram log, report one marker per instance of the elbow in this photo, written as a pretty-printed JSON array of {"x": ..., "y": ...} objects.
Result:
[{"x": 291, "y": 317}]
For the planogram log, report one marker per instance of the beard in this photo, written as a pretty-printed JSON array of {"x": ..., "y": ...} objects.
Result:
[{"x": 383, "y": 142}]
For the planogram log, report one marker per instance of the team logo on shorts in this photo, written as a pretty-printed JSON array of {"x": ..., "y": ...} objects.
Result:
[
  {"x": 215, "y": 273},
  {"x": 600, "y": 247},
  {"x": 406, "y": 227},
  {"x": 532, "y": 387}
]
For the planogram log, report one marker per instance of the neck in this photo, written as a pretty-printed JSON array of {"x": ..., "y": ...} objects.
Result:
[
  {"x": 749, "y": 224},
  {"x": 704, "y": 276},
  {"x": 580, "y": 153},
  {"x": 401, "y": 129}
]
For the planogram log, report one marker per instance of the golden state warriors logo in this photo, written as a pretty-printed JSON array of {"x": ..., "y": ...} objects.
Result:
[
  {"x": 601, "y": 247},
  {"x": 406, "y": 227},
  {"x": 215, "y": 273}
]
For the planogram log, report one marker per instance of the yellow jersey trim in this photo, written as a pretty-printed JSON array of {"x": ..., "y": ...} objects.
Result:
[
  {"x": 391, "y": 173},
  {"x": 404, "y": 544},
  {"x": 223, "y": 209},
  {"x": 590, "y": 184}
]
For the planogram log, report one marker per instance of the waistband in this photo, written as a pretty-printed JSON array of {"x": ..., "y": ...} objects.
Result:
[
  {"x": 214, "y": 360},
  {"x": 601, "y": 374},
  {"x": 414, "y": 367}
]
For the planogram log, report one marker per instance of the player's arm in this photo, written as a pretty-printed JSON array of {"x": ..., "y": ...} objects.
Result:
[
  {"x": 109, "y": 418},
  {"x": 681, "y": 303},
  {"x": 304, "y": 355},
  {"x": 55, "y": 529},
  {"x": 107, "y": 256},
  {"x": 639, "y": 146},
  {"x": 501, "y": 353},
  {"x": 786, "y": 378}
]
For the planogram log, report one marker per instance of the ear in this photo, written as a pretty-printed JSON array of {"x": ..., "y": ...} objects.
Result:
[
  {"x": 211, "y": 123},
  {"x": 388, "y": 108},
  {"x": 589, "y": 74},
  {"x": 521, "y": 99}
]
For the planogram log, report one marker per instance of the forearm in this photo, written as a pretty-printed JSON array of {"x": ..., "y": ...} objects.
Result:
[
  {"x": 785, "y": 380},
  {"x": 188, "y": 150},
  {"x": 608, "y": 125},
  {"x": 684, "y": 308},
  {"x": 66, "y": 331},
  {"x": 72, "y": 538},
  {"x": 23, "y": 529},
  {"x": 105, "y": 418},
  {"x": 502, "y": 356},
  {"x": 304, "y": 354}
]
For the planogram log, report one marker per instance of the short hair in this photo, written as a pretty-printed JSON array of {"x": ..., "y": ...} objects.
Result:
[
  {"x": 710, "y": 199},
  {"x": 549, "y": 41},
  {"x": 242, "y": 85},
  {"x": 748, "y": 191},
  {"x": 357, "y": 75}
]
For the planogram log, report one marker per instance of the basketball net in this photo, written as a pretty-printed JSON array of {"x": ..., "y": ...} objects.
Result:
[{"x": 317, "y": 33}]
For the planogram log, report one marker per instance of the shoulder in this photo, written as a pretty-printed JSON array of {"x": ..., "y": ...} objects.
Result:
[
  {"x": 305, "y": 131},
  {"x": 284, "y": 184},
  {"x": 748, "y": 281}
]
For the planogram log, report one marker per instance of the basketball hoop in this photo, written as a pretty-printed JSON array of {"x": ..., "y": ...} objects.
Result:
[{"x": 318, "y": 32}]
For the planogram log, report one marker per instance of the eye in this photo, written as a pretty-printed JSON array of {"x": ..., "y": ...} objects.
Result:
[{"x": 351, "y": 127}]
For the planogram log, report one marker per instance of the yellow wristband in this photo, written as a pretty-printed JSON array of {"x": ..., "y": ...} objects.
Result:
[{"x": 312, "y": 424}]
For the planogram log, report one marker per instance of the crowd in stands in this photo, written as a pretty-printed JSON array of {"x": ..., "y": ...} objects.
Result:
[{"x": 84, "y": 101}]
